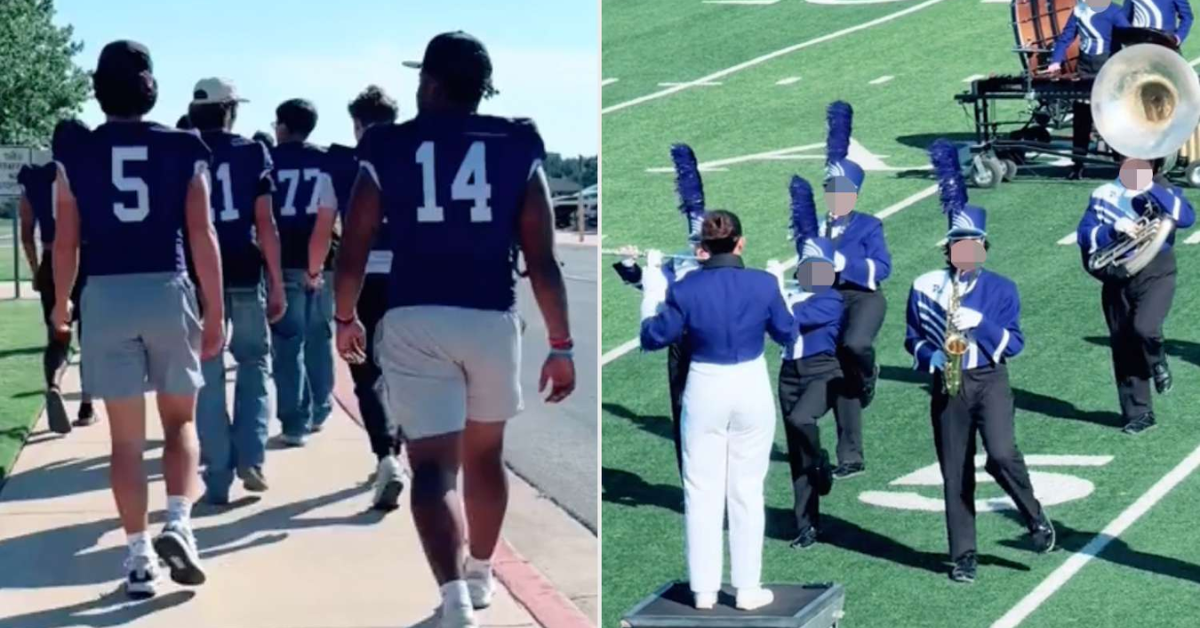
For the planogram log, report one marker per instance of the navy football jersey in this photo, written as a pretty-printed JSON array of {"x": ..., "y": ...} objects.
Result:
[
  {"x": 344, "y": 171},
  {"x": 37, "y": 183},
  {"x": 241, "y": 172},
  {"x": 452, "y": 188},
  {"x": 302, "y": 186},
  {"x": 130, "y": 180}
]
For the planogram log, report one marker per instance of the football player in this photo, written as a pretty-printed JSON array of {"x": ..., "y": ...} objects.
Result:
[
  {"x": 36, "y": 207},
  {"x": 368, "y": 109},
  {"x": 131, "y": 190},
  {"x": 241, "y": 210},
  {"x": 462, "y": 192},
  {"x": 305, "y": 209}
]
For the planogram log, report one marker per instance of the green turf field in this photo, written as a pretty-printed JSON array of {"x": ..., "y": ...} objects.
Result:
[
  {"x": 891, "y": 561},
  {"x": 21, "y": 341}
]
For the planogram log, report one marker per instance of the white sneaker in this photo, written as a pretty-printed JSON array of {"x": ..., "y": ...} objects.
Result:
[
  {"x": 751, "y": 599},
  {"x": 480, "y": 582},
  {"x": 389, "y": 483},
  {"x": 705, "y": 601},
  {"x": 457, "y": 614},
  {"x": 293, "y": 440},
  {"x": 142, "y": 576}
]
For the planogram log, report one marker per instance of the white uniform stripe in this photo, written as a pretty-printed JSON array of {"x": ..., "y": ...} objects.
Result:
[
  {"x": 871, "y": 273},
  {"x": 1001, "y": 347}
]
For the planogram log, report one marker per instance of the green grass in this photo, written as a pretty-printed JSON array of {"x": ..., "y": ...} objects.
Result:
[
  {"x": 889, "y": 560},
  {"x": 22, "y": 337}
]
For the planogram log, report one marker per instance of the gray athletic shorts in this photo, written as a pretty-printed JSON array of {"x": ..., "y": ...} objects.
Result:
[
  {"x": 143, "y": 335},
  {"x": 442, "y": 365}
]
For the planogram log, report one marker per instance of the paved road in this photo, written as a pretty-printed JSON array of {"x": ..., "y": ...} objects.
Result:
[{"x": 555, "y": 447}]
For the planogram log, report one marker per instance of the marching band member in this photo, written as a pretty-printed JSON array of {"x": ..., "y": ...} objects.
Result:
[
  {"x": 728, "y": 422},
  {"x": 974, "y": 315},
  {"x": 862, "y": 263},
  {"x": 1093, "y": 21},
  {"x": 691, "y": 204},
  {"x": 810, "y": 368},
  {"x": 1173, "y": 17},
  {"x": 1135, "y": 307}
]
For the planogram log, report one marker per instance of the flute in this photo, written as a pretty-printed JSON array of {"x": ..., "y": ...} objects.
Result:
[{"x": 642, "y": 254}]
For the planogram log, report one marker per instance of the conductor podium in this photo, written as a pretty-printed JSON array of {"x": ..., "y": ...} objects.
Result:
[{"x": 795, "y": 606}]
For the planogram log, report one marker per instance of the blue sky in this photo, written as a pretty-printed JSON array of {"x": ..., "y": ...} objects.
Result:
[{"x": 545, "y": 54}]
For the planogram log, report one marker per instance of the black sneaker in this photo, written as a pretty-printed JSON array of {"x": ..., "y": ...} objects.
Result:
[
  {"x": 56, "y": 412},
  {"x": 1162, "y": 378},
  {"x": 1042, "y": 534},
  {"x": 1140, "y": 424},
  {"x": 845, "y": 471},
  {"x": 869, "y": 389},
  {"x": 964, "y": 568},
  {"x": 806, "y": 539},
  {"x": 87, "y": 415},
  {"x": 177, "y": 548}
]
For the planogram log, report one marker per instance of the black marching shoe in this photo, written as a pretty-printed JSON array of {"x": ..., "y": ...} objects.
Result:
[
  {"x": 1042, "y": 534},
  {"x": 1162, "y": 378},
  {"x": 1140, "y": 424},
  {"x": 964, "y": 568},
  {"x": 848, "y": 470},
  {"x": 806, "y": 539}
]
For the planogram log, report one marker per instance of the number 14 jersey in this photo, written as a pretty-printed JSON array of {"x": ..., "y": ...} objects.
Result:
[{"x": 452, "y": 187}]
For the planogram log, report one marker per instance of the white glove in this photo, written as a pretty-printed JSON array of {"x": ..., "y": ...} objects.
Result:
[
  {"x": 1054, "y": 68},
  {"x": 839, "y": 262},
  {"x": 1125, "y": 226},
  {"x": 966, "y": 318},
  {"x": 938, "y": 360},
  {"x": 775, "y": 267},
  {"x": 654, "y": 285}
]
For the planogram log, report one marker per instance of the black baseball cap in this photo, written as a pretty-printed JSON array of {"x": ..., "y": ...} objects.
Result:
[
  {"x": 122, "y": 59},
  {"x": 457, "y": 57}
]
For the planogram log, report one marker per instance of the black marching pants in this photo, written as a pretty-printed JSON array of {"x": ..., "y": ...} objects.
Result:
[
  {"x": 1135, "y": 309},
  {"x": 984, "y": 404},
  {"x": 372, "y": 305},
  {"x": 861, "y": 320},
  {"x": 1082, "y": 109},
  {"x": 805, "y": 395},
  {"x": 679, "y": 360}
]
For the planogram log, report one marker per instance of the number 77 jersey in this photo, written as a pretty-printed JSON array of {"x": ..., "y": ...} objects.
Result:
[{"x": 452, "y": 188}]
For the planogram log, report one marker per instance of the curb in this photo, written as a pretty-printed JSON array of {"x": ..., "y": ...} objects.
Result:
[{"x": 548, "y": 606}]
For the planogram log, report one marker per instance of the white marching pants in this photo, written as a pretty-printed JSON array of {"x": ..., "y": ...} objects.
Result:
[{"x": 728, "y": 428}]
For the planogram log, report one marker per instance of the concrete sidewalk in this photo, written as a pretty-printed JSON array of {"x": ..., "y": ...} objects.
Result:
[{"x": 309, "y": 553}]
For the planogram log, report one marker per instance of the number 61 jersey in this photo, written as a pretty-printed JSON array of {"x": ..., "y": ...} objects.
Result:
[
  {"x": 452, "y": 187},
  {"x": 130, "y": 181}
]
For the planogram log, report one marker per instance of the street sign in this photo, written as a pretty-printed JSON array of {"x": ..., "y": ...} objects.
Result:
[{"x": 12, "y": 159}]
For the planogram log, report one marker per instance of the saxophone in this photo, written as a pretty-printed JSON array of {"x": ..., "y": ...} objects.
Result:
[{"x": 955, "y": 345}]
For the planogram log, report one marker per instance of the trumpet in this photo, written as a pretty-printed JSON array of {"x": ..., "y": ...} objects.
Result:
[{"x": 638, "y": 254}]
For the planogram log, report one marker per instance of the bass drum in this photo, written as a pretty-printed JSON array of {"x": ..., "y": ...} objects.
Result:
[{"x": 1036, "y": 24}]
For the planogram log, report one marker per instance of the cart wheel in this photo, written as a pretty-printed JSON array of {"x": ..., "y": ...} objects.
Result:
[
  {"x": 987, "y": 172},
  {"x": 1010, "y": 169},
  {"x": 1192, "y": 174}
]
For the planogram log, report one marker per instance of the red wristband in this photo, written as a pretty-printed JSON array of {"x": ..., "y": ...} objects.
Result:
[{"x": 562, "y": 343}]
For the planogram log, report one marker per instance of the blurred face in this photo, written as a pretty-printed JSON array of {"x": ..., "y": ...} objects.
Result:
[
  {"x": 815, "y": 275},
  {"x": 840, "y": 196},
  {"x": 1099, "y": 5},
  {"x": 1136, "y": 174},
  {"x": 967, "y": 255}
]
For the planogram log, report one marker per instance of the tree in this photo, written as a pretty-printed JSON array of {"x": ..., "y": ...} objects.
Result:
[
  {"x": 571, "y": 168},
  {"x": 39, "y": 82}
]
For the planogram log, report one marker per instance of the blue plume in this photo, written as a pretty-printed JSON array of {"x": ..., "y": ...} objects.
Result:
[
  {"x": 687, "y": 181},
  {"x": 804, "y": 211},
  {"x": 943, "y": 154},
  {"x": 837, "y": 143}
]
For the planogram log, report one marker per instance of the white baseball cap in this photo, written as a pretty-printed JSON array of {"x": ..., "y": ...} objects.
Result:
[{"x": 215, "y": 90}]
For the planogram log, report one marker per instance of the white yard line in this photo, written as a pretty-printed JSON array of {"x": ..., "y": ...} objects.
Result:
[
  {"x": 607, "y": 82},
  {"x": 626, "y": 347},
  {"x": 767, "y": 57},
  {"x": 973, "y": 77},
  {"x": 1070, "y": 238},
  {"x": 1195, "y": 61},
  {"x": 1193, "y": 239},
  {"x": 788, "y": 81},
  {"x": 746, "y": 2},
  {"x": 1114, "y": 529},
  {"x": 881, "y": 80},
  {"x": 694, "y": 83}
]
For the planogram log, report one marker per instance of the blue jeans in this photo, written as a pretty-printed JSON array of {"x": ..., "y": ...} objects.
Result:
[
  {"x": 224, "y": 446},
  {"x": 302, "y": 354}
]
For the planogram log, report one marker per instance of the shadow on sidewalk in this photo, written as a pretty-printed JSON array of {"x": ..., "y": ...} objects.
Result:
[
  {"x": 63, "y": 478},
  {"x": 119, "y": 611},
  {"x": 66, "y": 557}
]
